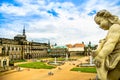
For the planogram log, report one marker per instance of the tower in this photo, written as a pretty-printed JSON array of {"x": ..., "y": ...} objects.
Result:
[
  {"x": 24, "y": 33},
  {"x": 20, "y": 37},
  {"x": 49, "y": 43}
]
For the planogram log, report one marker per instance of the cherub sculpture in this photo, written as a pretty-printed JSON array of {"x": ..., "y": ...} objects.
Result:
[{"x": 107, "y": 54}]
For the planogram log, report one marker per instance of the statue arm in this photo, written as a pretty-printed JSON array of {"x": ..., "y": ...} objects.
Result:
[
  {"x": 100, "y": 45},
  {"x": 111, "y": 40}
]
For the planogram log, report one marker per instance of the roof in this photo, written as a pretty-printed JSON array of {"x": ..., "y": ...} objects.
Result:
[
  {"x": 75, "y": 45},
  {"x": 78, "y": 45},
  {"x": 59, "y": 46},
  {"x": 19, "y": 35},
  {"x": 69, "y": 45}
]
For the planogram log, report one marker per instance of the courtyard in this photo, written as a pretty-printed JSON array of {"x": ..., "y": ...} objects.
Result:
[{"x": 63, "y": 73}]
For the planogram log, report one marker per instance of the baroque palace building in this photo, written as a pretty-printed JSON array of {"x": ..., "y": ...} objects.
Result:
[{"x": 20, "y": 48}]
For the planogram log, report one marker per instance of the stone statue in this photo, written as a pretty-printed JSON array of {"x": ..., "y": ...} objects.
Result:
[{"x": 107, "y": 54}]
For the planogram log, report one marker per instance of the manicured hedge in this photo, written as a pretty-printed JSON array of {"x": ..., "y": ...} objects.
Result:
[{"x": 85, "y": 69}]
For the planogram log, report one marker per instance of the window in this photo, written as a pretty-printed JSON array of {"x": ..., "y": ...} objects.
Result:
[{"x": 12, "y": 48}]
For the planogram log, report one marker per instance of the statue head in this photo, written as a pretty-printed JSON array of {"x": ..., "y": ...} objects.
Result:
[{"x": 105, "y": 19}]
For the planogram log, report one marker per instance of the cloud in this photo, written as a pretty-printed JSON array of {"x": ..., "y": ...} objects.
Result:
[{"x": 61, "y": 22}]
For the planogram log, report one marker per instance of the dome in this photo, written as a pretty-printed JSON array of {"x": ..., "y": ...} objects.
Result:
[{"x": 19, "y": 35}]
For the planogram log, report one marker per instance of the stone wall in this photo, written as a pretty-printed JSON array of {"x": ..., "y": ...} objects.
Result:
[{"x": 4, "y": 61}]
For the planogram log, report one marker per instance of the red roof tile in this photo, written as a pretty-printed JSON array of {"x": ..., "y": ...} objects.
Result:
[{"x": 75, "y": 45}]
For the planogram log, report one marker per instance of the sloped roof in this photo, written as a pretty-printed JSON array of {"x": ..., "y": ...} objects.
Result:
[
  {"x": 75, "y": 45},
  {"x": 69, "y": 45},
  {"x": 78, "y": 45}
]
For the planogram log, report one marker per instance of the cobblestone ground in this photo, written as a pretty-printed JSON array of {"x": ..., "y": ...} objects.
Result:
[{"x": 63, "y": 73}]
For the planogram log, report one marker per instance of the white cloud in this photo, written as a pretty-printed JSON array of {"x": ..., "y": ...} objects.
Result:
[{"x": 71, "y": 26}]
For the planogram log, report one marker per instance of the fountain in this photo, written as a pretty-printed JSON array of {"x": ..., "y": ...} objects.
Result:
[
  {"x": 55, "y": 62},
  {"x": 66, "y": 57},
  {"x": 91, "y": 61},
  {"x": 90, "y": 64}
]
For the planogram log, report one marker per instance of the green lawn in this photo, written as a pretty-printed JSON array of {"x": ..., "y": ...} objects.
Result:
[
  {"x": 11, "y": 63},
  {"x": 36, "y": 65},
  {"x": 15, "y": 61},
  {"x": 85, "y": 69}
]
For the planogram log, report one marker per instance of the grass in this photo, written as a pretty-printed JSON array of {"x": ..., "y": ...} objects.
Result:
[
  {"x": 15, "y": 61},
  {"x": 36, "y": 65},
  {"x": 85, "y": 69}
]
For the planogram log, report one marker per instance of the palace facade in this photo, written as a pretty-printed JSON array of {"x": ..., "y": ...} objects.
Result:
[{"x": 20, "y": 48}]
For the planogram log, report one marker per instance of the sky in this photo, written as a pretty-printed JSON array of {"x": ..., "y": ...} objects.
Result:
[{"x": 58, "y": 21}]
